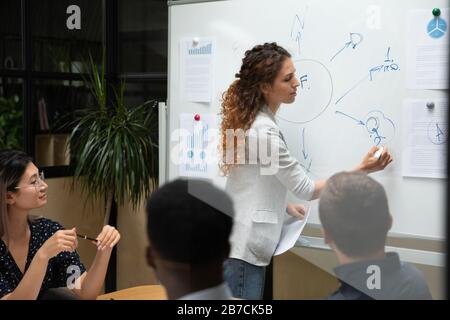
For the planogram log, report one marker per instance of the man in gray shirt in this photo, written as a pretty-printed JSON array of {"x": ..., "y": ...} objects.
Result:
[{"x": 354, "y": 213}]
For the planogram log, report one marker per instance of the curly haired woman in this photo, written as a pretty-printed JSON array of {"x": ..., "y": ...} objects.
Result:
[{"x": 259, "y": 185}]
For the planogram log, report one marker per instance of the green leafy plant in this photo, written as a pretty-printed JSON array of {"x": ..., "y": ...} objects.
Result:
[
  {"x": 10, "y": 124},
  {"x": 114, "y": 149}
]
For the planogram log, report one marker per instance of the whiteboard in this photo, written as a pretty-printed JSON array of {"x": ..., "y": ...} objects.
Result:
[{"x": 323, "y": 122}]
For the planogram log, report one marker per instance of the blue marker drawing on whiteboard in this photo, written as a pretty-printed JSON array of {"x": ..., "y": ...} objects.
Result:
[
  {"x": 305, "y": 155},
  {"x": 304, "y": 79},
  {"x": 373, "y": 127},
  {"x": 306, "y": 166},
  {"x": 360, "y": 122},
  {"x": 298, "y": 25},
  {"x": 387, "y": 66},
  {"x": 379, "y": 127},
  {"x": 324, "y": 100},
  {"x": 351, "y": 89},
  {"x": 355, "y": 40},
  {"x": 378, "y": 137}
]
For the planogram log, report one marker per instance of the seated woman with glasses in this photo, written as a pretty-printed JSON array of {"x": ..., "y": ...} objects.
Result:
[{"x": 37, "y": 254}]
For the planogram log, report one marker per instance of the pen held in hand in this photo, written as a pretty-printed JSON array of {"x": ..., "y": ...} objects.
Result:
[
  {"x": 86, "y": 237},
  {"x": 378, "y": 153}
]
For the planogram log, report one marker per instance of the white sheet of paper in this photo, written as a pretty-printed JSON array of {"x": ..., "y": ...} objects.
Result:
[
  {"x": 197, "y": 64},
  {"x": 427, "y": 50},
  {"x": 197, "y": 145},
  {"x": 292, "y": 228},
  {"x": 425, "y": 138}
]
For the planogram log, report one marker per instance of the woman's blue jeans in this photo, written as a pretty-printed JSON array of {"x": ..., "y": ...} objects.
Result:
[{"x": 245, "y": 280}]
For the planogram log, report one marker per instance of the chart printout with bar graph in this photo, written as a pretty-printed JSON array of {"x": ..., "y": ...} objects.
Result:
[{"x": 197, "y": 145}]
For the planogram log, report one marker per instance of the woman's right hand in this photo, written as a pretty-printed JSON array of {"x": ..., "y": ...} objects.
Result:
[
  {"x": 61, "y": 240},
  {"x": 370, "y": 163}
]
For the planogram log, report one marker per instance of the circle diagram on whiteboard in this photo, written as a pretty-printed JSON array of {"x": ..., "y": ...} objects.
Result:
[
  {"x": 437, "y": 28},
  {"x": 313, "y": 94},
  {"x": 380, "y": 128}
]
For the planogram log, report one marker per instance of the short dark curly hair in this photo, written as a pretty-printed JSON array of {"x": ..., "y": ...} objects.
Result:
[
  {"x": 190, "y": 221},
  {"x": 353, "y": 209}
]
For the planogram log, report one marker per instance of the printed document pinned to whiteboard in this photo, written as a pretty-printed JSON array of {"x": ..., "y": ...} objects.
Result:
[
  {"x": 197, "y": 66},
  {"x": 425, "y": 138},
  {"x": 292, "y": 228},
  {"x": 427, "y": 50},
  {"x": 197, "y": 145}
]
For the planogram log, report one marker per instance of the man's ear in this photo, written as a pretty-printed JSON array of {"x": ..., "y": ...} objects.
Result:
[
  {"x": 149, "y": 256},
  {"x": 10, "y": 199},
  {"x": 391, "y": 221},
  {"x": 326, "y": 236}
]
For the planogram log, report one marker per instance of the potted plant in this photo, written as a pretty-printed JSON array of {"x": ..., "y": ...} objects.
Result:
[
  {"x": 10, "y": 124},
  {"x": 114, "y": 148}
]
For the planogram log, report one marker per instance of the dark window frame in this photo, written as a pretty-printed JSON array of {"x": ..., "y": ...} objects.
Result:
[{"x": 110, "y": 40}]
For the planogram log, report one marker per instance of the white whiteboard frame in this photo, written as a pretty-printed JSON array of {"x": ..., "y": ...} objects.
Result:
[
  {"x": 430, "y": 258},
  {"x": 167, "y": 175}
]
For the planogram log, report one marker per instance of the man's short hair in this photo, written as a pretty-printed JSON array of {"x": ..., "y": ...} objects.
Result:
[
  {"x": 353, "y": 209},
  {"x": 190, "y": 221}
]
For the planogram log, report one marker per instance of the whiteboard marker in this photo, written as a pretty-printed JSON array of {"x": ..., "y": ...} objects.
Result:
[{"x": 378, "y": 153}]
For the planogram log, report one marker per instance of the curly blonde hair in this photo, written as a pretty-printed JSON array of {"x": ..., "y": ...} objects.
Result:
[{"x": 244, "y": 98}]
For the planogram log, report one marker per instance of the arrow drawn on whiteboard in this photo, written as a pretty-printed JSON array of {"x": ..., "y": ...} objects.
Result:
[
  {"x": 297, "y": 29},
  {"x": 357, "y": 84},
  {"x": 305, "y": 155},
  {"x": 360, "y": 122},
  {"x": 306, "y": 166},
  {"x": 355, "y": 39},
  {"x": 379, "y": 127}
]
